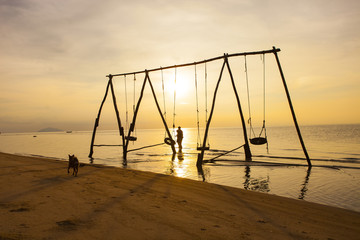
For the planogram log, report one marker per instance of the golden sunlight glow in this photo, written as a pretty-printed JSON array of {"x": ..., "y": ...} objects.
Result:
[
  {"x": 327, "y": 82},
  {"x": 182, "y": 87}
]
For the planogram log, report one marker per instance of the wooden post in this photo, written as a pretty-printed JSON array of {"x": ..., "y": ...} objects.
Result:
[
  {"x": 161, "y": 115},
  {"x": 97, "y": 121},
  {"x": 292, "y": 108},
  {"x": 201, "y": 155},
  {"x": 121, "y": 130},
  {"x": 246, "y": 145},
  {"x": 134, "y": 118}
]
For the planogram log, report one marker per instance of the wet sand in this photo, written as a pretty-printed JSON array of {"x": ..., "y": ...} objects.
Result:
[{"x": 39, "y": 200}]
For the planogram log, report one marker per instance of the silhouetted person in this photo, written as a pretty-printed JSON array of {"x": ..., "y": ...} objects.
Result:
[{"x": 179, "y": 138}]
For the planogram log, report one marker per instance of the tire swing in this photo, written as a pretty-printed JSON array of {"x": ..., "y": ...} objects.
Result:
[
  {"x": 169, "y": 141},
  {"x": 260, "y": 139}
]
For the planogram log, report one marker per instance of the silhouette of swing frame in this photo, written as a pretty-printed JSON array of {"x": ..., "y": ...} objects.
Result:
[{"x": 169, "y": 139}]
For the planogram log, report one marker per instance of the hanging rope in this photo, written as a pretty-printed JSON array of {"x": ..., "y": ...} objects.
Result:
[
  {"x": 257, "y": 140},
  {"x": 251, "y": 130},
  {"x": 198, "y": 142},
  {"x": 263, "y": 57},
  {"x": 174, "y": 113},
  {"x": 126, "y": 106},
  {"x": 163, "y": 91},
  {"x": 134, "y": 88},
  {"x": 127, "y": 126},
  {"x": 264, "y": 102},
  {"x": 206, "y": 105},
  {"x": 134, "y": 93},
  {"x": 206, "y": 108}
]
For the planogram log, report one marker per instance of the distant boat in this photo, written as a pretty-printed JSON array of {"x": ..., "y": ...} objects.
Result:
[
  {"x": 68, "y": 131},
  {"x": 50, "y": 129}
]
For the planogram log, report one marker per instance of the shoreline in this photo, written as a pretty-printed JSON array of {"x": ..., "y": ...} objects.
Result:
[
  {"x": 39, "y": 200},
  {"x": 205, "y": 176}
]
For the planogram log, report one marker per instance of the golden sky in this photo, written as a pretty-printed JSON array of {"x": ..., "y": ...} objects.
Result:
[{"x": 55, "y": 55}]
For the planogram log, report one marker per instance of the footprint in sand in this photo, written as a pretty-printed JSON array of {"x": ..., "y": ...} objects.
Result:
[
  {"x": 67, "y": 225},
  {"x": 22, "y": 209}
]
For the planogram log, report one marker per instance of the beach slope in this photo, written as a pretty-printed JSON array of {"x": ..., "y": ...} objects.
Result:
[{"x": 39, "y": 200}]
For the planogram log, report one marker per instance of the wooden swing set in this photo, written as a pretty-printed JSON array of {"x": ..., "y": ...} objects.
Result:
[{"x": 203, "y": 146}]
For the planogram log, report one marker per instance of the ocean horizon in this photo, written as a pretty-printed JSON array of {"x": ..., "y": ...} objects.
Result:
[{"x": 281, "y": 169}]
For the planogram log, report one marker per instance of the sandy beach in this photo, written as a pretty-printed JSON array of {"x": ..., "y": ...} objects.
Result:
[{"x": 39, "y": 200}]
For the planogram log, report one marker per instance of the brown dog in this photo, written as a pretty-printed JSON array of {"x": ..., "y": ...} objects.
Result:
[{"x": 74, "y": 164}]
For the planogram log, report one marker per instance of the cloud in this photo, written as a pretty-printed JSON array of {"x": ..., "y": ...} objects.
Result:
[{"x": 53, "y": 50}]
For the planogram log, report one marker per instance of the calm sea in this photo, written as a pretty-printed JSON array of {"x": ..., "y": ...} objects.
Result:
[{"x": 281, "y": 169}]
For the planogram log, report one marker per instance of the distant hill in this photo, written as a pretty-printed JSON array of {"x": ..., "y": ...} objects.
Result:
[{"x": 50, "y": 129}]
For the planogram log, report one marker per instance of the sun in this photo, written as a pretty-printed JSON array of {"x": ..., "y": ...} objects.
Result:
[{"x": 182, "y": 87}]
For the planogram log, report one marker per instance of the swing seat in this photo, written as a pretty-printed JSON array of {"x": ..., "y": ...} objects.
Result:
[
  {"x": 203, "y": 148},
  {"x": 169, "y": 141},
  {"x": 131, "y": 138},
  {"x": 258, "y": 141}
]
